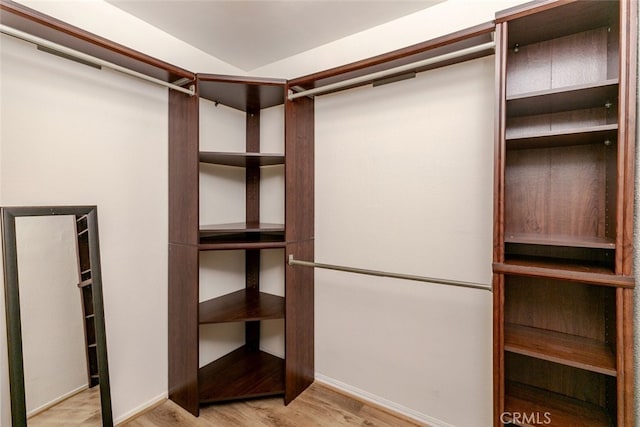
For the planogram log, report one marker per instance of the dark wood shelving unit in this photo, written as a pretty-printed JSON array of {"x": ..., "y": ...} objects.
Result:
[
  {"x": 246, "y": 372},
  {"x": 563, "y": 217},
  {"x": 243, "y": 305},
  {"x": 249, "y": 372}
]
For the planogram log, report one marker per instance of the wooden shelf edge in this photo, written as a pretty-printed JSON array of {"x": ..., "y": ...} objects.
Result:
[
  {"x": 244, "y": 373},
  {"x": 232, "y": 246},
  {"x": 530, "y": 139},
  {"x": 564, "y": 349},
  {"x": 569, "y": 275},
  {"x": 241, "y": 306},
  {"x": 241, "y": 159},
  {"x": 562, "y": 410},
  {"x": 562, "y": 90},
  {"x": 569, "y": 241}
]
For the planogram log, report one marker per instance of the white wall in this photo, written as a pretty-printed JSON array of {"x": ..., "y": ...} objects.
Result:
[
  {"x": 53, "y": 339},
  {"x": 76, "y": 135}
]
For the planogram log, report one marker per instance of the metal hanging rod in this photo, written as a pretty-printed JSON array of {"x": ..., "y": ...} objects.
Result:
[
  {"x": 397, "y": 70},
  {"x": 471, "y": 285},
  {"x": 88, "y": 59}
]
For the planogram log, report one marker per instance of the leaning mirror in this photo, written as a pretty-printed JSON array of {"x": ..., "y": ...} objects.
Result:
[{"x": 58, "y": 372}]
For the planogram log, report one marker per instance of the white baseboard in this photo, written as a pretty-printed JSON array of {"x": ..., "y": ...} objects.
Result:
[
  {"x": 380, "y": 401},
  {"x": 141, "y": 408},
  {"x": 54, "y": 402}
]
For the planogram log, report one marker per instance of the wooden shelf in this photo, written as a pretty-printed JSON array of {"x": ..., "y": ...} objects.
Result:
[
  {"x": 554, "y": 22},
  {"x": 242, "y": 93},
  {"x": 241, "y": 159},
  {"x": 563, "y": 99},
  {"x": 241, "y": 233},
  {"x": 563, "y": 410},
  {"x": 244, "y": 373},
  {"x": 563, "y": 270},
  {"x": 573, "y": 136},
  {"x": 242, "y": 305},
  {"x": 570, "y": 350},
  {"x": 558, "y": 240}
]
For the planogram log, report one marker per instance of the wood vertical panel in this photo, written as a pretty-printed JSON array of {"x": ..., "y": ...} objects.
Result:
[
  {"x": 253, "y": 170},
  {"x": 183, "y": 250},
  {"x": 183, "y": 168},
  {"x": 183, "y": 326},
  {"x": 499, "y": 148},
  {"x": 625, "y": 337},
  {"x": 299, "y": 232},
  {"x": 498, "y": 347},
  {"x": 252, "y": 215},
  {"x": 299, "y": 322},
  {"x": 498, "y": 223},
  {"x": 627, "y": 116},
  {"x": 299, "y": 169}
]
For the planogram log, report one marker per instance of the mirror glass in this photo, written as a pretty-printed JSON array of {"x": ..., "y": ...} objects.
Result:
[{"x": 55, "y": 289}]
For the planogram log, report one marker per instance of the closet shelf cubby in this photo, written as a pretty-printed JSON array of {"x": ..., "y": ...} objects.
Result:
[
  {"x": 563, "y": 410},
  {"x": 241, "y": 159},
  {"x": 244, "y": 305},
  {"x": 241, "y": 233},
  {"x": 566, "y": 349},
  {"x": 561, "y": 240},
  {"x": 246, "y": 372},
  {"x": 563, "y": 270},
  {"x": 605, "y": 134},
  {"x": 567, "y": 98}
]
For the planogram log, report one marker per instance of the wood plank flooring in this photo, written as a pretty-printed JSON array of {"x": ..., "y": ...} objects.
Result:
[
  {"x": 317, "y": 406},
  {"x": 82, "y": 409}
]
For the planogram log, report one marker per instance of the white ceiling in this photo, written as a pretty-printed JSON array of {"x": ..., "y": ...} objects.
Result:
[{"x": 250, "y": 34}]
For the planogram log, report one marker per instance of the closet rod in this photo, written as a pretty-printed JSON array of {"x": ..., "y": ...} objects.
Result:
[
  {"x": 471, "y": 285},
  {"x": 397, "y": 70},
  {"x": 88, "y": 58}
]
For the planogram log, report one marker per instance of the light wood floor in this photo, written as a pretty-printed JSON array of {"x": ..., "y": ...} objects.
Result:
[
  {"x": 317, "y": 406},
  {"x": 82, "y": 409}
]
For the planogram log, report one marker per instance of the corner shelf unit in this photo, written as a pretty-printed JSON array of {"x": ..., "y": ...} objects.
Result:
[
  {"x": 563, "y": 283},
  {"x": 247, "y": 371}
]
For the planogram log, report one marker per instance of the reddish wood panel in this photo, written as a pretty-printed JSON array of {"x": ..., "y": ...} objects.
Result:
[
  {"x": 299, "y": 169},
  {"x": 183, "y": 168},
  {"x": 183, "y": 326},
  {"x": 299, "y": 322},
  {"x": 566, "y": 307},
  {"x": 241, "y": 159},
  {"x": 558, "y": 191}
]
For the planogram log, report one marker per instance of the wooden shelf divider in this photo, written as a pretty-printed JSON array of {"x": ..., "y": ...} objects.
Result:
[
  {"x": 564, "y": 137},
  {"x": 557, "y": 240},
  {"x": 244, "y": 305},
  {"x": 570, "y": 350},
  {"x": 562, "y": 410},
  {"x": 241, "y": 159},
  {"x": 244, "y": 373}
]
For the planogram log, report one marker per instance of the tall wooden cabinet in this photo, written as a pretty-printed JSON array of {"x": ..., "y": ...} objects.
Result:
[
  {"x": 563, "y": 236},
  {"x": 247, "y": 371}
]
